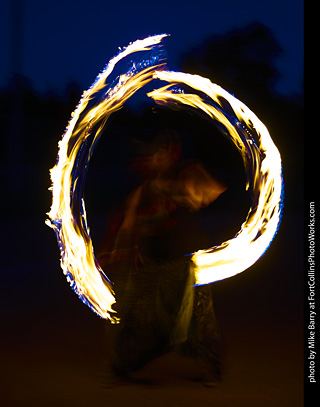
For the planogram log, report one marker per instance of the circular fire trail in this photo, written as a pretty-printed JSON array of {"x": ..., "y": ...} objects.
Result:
[{"x": 261, "y": 159}]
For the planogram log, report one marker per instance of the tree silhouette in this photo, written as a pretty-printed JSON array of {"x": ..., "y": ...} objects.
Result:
[{"x": 240, "y": 61}]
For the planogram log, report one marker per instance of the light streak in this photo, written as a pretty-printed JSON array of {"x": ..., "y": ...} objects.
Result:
[
  {"x": 263, "y": 165},
  {"x": 67, "y": 215}
]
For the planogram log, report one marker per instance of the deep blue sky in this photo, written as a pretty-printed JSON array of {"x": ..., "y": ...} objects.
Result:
[{"x": 73, "y": 40}]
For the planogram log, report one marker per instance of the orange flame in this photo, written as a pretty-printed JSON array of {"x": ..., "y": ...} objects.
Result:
[{"x": 231, "y": 257}]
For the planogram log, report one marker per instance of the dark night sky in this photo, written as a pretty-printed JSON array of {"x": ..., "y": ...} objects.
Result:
[
  {"x": 50, "y": 338},
  {"x": 72, "y": 41}
]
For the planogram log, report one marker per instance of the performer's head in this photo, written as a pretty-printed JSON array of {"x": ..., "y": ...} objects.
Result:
[
  {"x": 161, "y": 155},
  {"x": 167, "y": 150}
]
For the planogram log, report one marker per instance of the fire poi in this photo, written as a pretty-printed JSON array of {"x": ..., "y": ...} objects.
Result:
[{"x": 261, "y": 159}]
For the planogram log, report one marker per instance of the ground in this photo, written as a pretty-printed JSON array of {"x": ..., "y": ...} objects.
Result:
[{"x": 54, "y": 348}]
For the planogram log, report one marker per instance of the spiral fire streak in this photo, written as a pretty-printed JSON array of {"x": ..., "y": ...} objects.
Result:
[{"x": 67, "y": 214}]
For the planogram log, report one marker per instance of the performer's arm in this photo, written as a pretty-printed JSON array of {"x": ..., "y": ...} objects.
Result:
[{"x": 194, "y": 188}]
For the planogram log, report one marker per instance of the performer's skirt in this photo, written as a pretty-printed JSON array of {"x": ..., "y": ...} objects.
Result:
[{"x": 162, "y": 311}]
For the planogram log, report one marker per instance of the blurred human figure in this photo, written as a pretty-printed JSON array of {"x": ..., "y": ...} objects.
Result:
[{"x": 159, "y": 307}]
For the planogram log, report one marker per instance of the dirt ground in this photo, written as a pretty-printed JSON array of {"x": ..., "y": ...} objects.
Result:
[{"x": 54, "y": 348}]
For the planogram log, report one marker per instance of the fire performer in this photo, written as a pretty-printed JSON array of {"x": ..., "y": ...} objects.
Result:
[{"x": 160, "y": 308}]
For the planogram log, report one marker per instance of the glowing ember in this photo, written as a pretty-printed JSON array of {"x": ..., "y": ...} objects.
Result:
[{"x": 67, "y": 215}]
